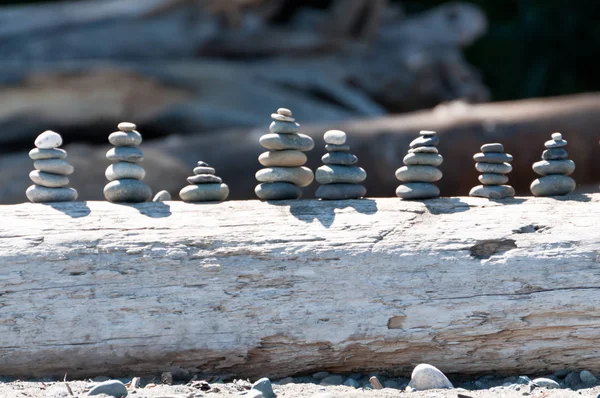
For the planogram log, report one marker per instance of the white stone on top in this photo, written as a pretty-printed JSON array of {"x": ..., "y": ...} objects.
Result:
[
  {"x": 284, "y": 112},
  {"x": 427, "y": 132},
  {"x": 557, "y": 136},
  {"x": 335, "y": 137},
  {"x": 126, "y": 126},
  {"x": 48, "y": 140}
]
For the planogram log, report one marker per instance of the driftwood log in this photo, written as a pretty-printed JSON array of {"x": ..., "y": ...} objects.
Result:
[{"x": 257, "y": 289}]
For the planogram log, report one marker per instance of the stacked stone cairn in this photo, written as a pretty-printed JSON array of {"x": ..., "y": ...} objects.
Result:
[
  {"x": 51, "y": 171},
  {"x": 340, "y": 177},
  {"x": 284, "y": 173},
  {"x": 420, "y": 170},
  {"x": 493, "y": 163},
  {"x": 554, "y": 169},
  {"x": 204, "y": 186},
  {"x": 125, "y": 175}
]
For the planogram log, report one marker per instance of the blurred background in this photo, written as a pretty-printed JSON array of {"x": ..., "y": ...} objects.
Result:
[{"x": 200, "y": 78}]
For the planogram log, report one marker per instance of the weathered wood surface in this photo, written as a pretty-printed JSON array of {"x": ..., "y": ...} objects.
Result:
[{"x": 258, "y": 289}]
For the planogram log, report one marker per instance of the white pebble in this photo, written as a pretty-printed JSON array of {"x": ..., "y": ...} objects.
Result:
[
  {"x": 126, "y": 126},
  {"x": 335, "y": 137},
  {"x": 427, "y": 377},
  {"x": 48, "y": 140},
  {"x": 427, "y": 132},
  {"x": 557, "y": 136},
  {"x": 162, "y": 196},
  {"x": 284, "y": 112}
]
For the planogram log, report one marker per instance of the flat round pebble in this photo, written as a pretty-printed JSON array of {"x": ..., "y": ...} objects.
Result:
[
  {"x": 339, "y": 158},
  {"x": 493, "y": 179},
  {"x": 340, "y": 191},
  {"x": 552, "y": 185},
  {"x": 427, "y": 133},
  {"x": 48, "y": 179},
  {"x": 555, "y": 144},
  {"x": 427, "y": 159},
  {"x": 204, "y": 193},
  {"x": 39, "y": 194},
  {"x": 493, "y": 191},
  {"x": 424, "y": 149},
  {"x": 284, "y": 112},
  {"x": 337, "y": 148},
  {"x": 300, "y": 176},
  {"x": 41, "y": 154},
  {"x": 335, "y": 137},
  {"x": 48, "y": 140},
  {"x": 120, "y": 170},
  {"x": 276, "y": 142},
  {"x": 424, "y": 141},
  {"x": 55, "y": 166},
  {"x": 202, "y": 164},
  {"x": 284, "y": 127},
  {"x": 546, "y": 383},
  {"x": 125, "y": 154},
  {"x": 204, "y": 179},
  {"x": 277, "y": 191},
  {"x": 492, "y": 147},
  {"x": 281, "y": 118},
  {"x": 121, "y": 138},
  {"x": 112, "y": 388},
  {"x": 417, "y": 190},
  {"x": 493, "y": 168},
  {"x": 547, "y": 167},
  {"x": 126, "y": 126},
  {"x": 127, "y": 191},
  {"x": 162, "y": 196},
  {"x": 204, "y": 170},
  {"x": 493, "y": 157},
  {"x": 333, "y": 174},
  {"x": 555, "y": 154},
  {"x": 285, "y": 158},
  {"x": 418, "y": 174}
]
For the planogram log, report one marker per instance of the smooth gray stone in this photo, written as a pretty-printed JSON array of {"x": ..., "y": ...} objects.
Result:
[
  {"x": 283, "y": 127},
  {"x": 284, "y": 112},
  {"x": 493, "y": 191},
  {"x": 204, "y": 179},
  {"x": 162, "y": 196},
  {"x": 39, "y": 194},
  {"x": 333, "y": 174},
  {"x": 127, "y": 191},
  {"x": 202, "y": 164},
  {"x": 552, "y": 185},
  {"x": 300, "y": 176},
  {"x": 546, "y": 383},
  {"x": 418, "y": 173},
  {"x": 48, "y": 179},
  {"x": 547, "y": 167},
  {"x": 492, "y": 147},
  {"x": 587, "y": 377},
  {"x": 277, "y": 142},
  {"x": 493, "y": 168},
  {"x": 335, "y": 137},
  {"x": 424, "y": 149},
  {"x": 341, "y": 191},
  {"x": 337, "y": 148},
  {"x": 555, "y": 144},
  {"x": 41, "y": 154},
  {"x": 555, "y": 154},
  {"x": 122, "y": 138},
  {"x": 264, "y": 386},
  {"x": 112, "y": 388},
  {"x": 285, "y": 158},
  {"x": 204, "y": 193},
  {"x": 277, "y": 191},
  {"x": 203, "y": 170},
  {"x": 281, "y": 118},
  {"x": 126, "y": 126},
  {"x": 417, "y": 190},
  {"x": 339, "y": 158},
  {"x": 55, "y": 166},
  {"x": 125, "y": 154},
  {"x": 427, "y": 133},
  {"x": 493, "y": 179},
  {"x": 493, "y": 157},
  {"x": 48, "y": 140},
  {"x": 121, "y": 170},
  {"x": 425, "y": 140},
  {"x": 428, "y": 377},
  {"x": 332, "y": 380},
  {"x": 426, "y": 159}
]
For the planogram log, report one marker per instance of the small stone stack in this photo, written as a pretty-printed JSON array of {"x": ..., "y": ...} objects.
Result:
[
  {"x": 420, "y": 170},
  {"x": 340, "y": 177},
  {"x": 285, "y": 172},
  {"x": 205, "y": 186},
  {"x": 494, "y": 164},
  {"x": 554, "y": 169},
  {"x": 51, "y": 171},
  {"x": 125, "y": 175}
]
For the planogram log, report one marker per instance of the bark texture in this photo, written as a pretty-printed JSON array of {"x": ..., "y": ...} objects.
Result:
[{"x": 275, "y": 289}]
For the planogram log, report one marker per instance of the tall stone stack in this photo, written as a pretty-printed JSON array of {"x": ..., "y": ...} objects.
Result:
[
  {"x": 204, "y": 186},
  {"x": 284, "y": 173},
  {"x": 126, "y": 174},
  {"x": 555, "y": 169},
  {"x": 340, "y": 176},
  {"x": 421, "y": 168},
  {"x": 494, "y": 164},
  {"x": 51, "y": 170}
]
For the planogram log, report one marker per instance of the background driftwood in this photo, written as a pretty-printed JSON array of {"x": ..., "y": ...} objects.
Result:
[{"x": 250, "y": 288}]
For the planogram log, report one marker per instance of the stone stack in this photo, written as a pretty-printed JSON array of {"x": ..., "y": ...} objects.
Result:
[
  {"x": 125, "y": 175},
  {"x": 554, "y": 169},
  {"x": 420, "y": 170},
  {"x": 340, "y": 177},
  {"x": 204, "y": 186},
  {"x": 51, "y": 171},
  {"x": 284, "y": 161},
  {"x": 494, "y": 164}
]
